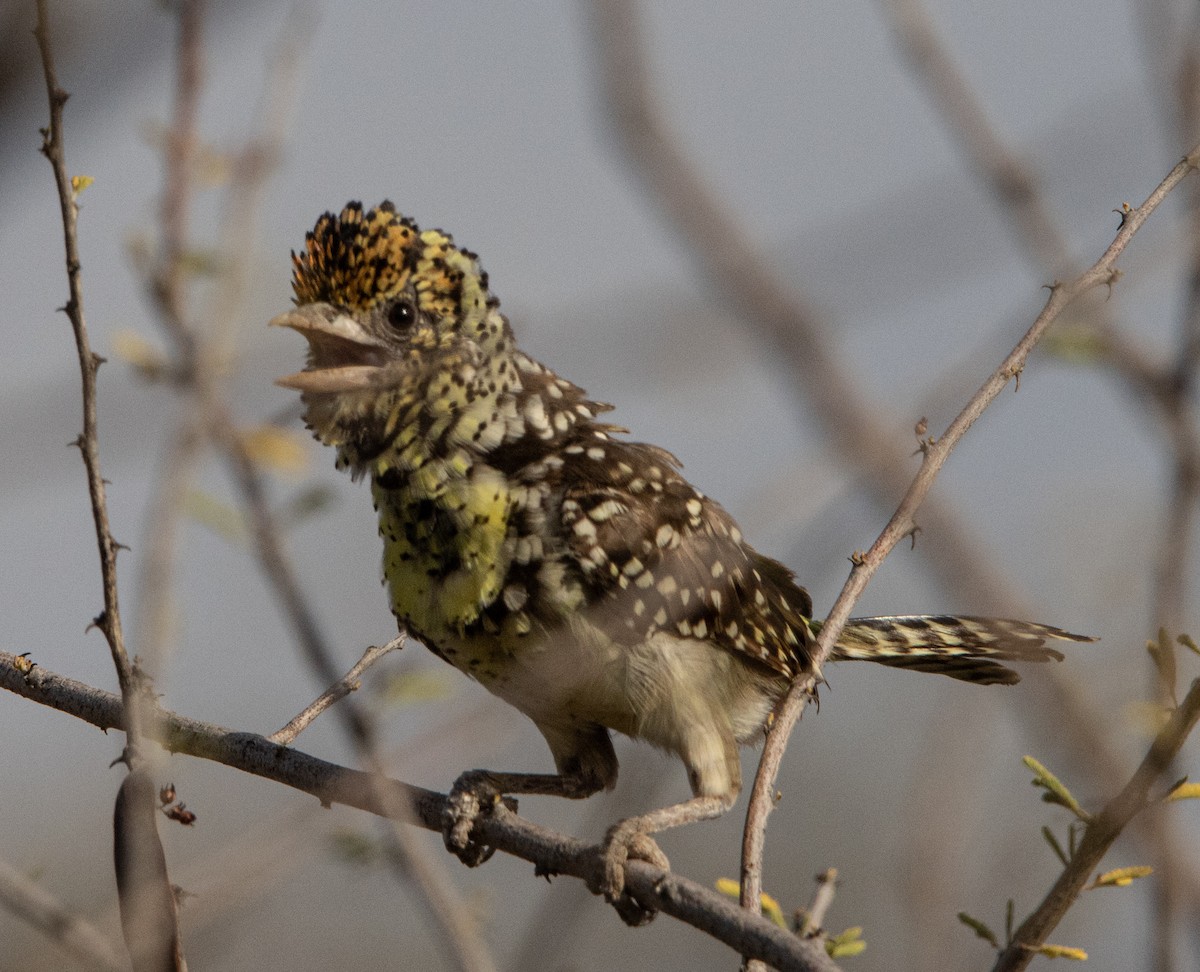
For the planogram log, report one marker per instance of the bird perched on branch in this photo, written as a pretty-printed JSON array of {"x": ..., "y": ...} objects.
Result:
[{"x": 573, "y": 573}]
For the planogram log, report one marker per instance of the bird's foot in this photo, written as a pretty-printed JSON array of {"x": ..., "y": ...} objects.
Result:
[
  {"x": 627, "y": 841},
  {"x": 473, "y": 796}
]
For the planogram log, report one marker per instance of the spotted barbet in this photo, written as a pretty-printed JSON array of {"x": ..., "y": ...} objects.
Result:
[{"x": 573, "y": 573}]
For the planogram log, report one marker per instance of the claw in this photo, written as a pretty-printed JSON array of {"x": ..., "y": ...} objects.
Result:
[
  {"x": 471, "y": 797},
  {"x": 626, "y": 841}
]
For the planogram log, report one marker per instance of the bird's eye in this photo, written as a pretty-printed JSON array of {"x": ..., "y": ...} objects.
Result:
[{"x": 402, "y": 315}]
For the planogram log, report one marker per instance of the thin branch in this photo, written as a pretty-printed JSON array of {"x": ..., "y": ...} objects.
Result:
[
  {"x": 551, "y": 853},
  {"x": 109, "y": 620},
  {"x": 1161, "y": 386},
  {"x": 1103, "y": 272},
  {"x": 742, "y": 273},
  {"x": 76, "y": 936},
  {"x": 1100, "y": 833},
  {"x": 149, "y": 916},
  {"x": 350, "y": 682},
  {"x": 812, "y": 922}
]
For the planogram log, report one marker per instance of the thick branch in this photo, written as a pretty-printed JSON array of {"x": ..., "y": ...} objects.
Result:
[{"x": 552, "y": 853}]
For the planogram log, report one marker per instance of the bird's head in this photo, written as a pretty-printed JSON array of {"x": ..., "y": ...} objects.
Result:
[{"x": 400, "y": 324}]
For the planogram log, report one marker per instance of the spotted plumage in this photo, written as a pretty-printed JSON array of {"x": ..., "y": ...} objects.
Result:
[{"x": 572, "y": 572}]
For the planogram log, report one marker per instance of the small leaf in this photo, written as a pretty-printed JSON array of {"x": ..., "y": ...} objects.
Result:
[
  {"x": 145, "y": 357},
  {"x": 770, "y": 907},
  {"x": 1163, "y": 656},
  {"x": 354, "y": 847},
  {"x": 1122, "y": 876},
  {"x": 1055, "y": 846},
  {"x": 1056, "y": 792},
  {"x": 1146, "y": 716},
  {"x": 979, "y": 928},
  {"x": 1076, "y": 344},
  {"x": 1062, "y": 951},
  {"x": 218, "y": 516},
  {"x": 846, "y": 945},
  {"x": 729, "y": 887},
  {"x": 1187, "y": 642},
  {"x": 1184, "y": 790},
  {"x": 426, "y": 685},
  {"x": 307, "y": 503},
  {"x": 79, "y": 183},
  {"x": 277, "y": 449}
]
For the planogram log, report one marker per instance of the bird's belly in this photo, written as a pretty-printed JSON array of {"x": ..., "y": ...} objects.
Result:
[{"x": 659, "y": 690}]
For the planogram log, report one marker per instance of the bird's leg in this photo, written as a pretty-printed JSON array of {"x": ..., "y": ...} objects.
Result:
[
  {"x": 477, "y": 792},
  {"x": 630, "y": 838}
]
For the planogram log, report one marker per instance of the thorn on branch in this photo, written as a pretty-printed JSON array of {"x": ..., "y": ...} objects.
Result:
[
  {"x": 911, "y": 533},
  {"x": 1125, "y": 211}
]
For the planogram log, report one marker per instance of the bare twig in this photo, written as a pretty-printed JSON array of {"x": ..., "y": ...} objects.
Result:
[
  {"x": 1101, "y": 273},
  {"x": 812, "y": 922},
  {"x": 109, "y": 620},
  {"x": 350, "y": 682},
  {"x": 1163, "y": 387},
  {"x": 1100, "y": 833},
  {"x": 76, "y": 936},
  {"x": 748, "y": 933},
  {"x": 147, "y": 900}
]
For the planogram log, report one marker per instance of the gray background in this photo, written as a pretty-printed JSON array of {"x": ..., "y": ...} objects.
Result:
[{"x": 486, "y": 120}]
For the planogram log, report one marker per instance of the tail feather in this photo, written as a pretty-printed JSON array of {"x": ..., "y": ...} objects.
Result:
[{"x": 962, "y": 647}]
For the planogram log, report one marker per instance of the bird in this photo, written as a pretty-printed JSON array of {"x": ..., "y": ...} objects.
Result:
[{"x": 567, "y": 569}]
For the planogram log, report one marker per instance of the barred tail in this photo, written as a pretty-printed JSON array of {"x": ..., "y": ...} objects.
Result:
[{"x": 962, "y": 647}]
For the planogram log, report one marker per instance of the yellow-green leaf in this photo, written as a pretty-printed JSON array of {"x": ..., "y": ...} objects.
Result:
[
  {"x": 1056, "y": 791},
  {"x": 275, "y": 448},
  {"x": 79, "y": 183},
  {"x": 770, "y": 907},
  {"x": 1146, "y": 716},
  {"x": 979, "y": 928},
  {"x": 135, "y": 350},
  {"x": 847, "y": 944},
  {"x": 1187, "y": 642},
  {"x": 424, "y": 685},
  {"x": 1122, "y": 876},
  {"x": 1185, "y": 791},
  {"x": 218, "y": 516},
  {"x": 355, "y": 847},
  {"x": 1063, "y": 951}
]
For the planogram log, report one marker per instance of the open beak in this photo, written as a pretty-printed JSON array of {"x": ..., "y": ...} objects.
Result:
[{"x": 342, "y": 356}]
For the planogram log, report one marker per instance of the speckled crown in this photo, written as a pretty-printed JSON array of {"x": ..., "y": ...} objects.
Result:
[{"x": 360, "y": 259}]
